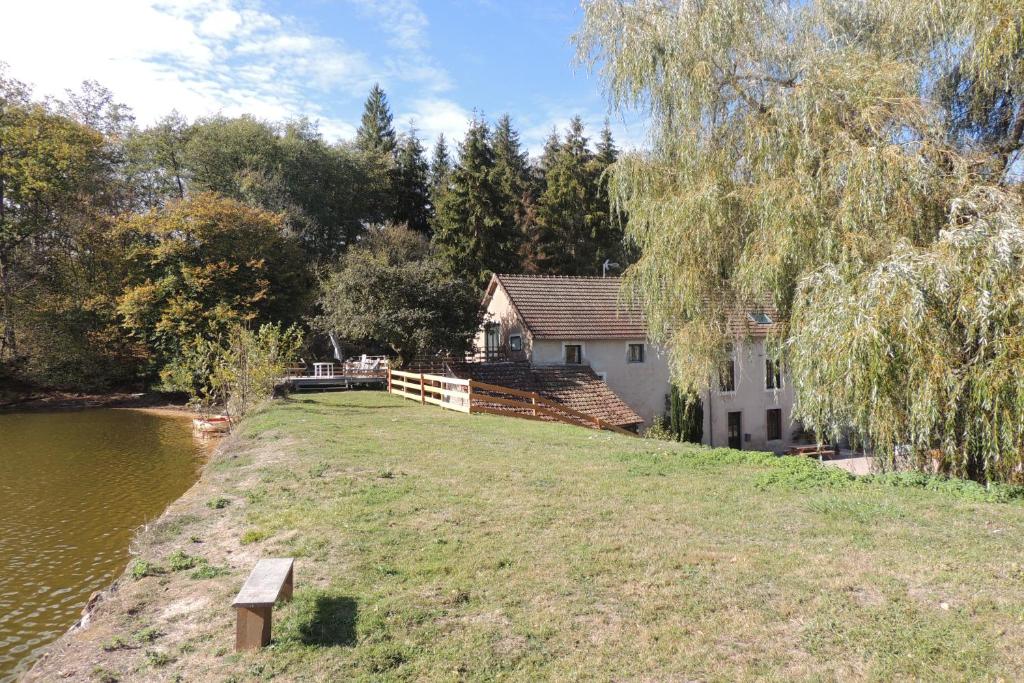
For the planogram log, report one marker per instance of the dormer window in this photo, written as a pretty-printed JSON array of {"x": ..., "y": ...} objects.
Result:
[{"x": 573, "y": 354}]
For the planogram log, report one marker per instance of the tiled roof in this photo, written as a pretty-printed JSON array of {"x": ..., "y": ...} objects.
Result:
[
  {"x": 741, "y": 323},
  {"x": 559, "y": 307},
  {"x": 576, "y": 386}
]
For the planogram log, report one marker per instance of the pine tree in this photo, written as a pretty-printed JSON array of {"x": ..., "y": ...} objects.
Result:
[
  {"x": 607, "y": 152},
  {"x": 440, "y": 168},
  {"x": 569, "y": 228},
  {"x": 609, "y": 235},
  {"x": 470, "y": 227},
  {"x": 512, "y": 175},
  {"x": 412, "y": 194},
  {"x": 551, "y": 147},
  {"x": 376, "y": 132},
  {"x": 535, "y": 250},
  {"x": 377, "y": 141}
]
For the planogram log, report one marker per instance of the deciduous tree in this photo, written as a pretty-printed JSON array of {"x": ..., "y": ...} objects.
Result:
[
  {"x": 394, "y": 289},
  {"x": 203, "y": 264}
]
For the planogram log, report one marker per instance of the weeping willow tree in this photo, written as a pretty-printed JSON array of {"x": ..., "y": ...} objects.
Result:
[{"x": 828, "y": 156}]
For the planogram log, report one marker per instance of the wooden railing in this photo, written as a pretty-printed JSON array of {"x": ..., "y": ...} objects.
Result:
[
  {"x": 350, "y": 368},
  {"x": 448, "y": 392},
  {"x": 470, "y": 396}
]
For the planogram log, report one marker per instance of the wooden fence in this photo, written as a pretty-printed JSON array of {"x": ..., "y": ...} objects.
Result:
[{"x": 470, "y": 396}]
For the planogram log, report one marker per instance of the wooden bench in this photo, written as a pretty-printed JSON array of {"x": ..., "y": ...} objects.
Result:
[
  {"x": 270, "y": 581},
  {"x": 823, "y": 452}
]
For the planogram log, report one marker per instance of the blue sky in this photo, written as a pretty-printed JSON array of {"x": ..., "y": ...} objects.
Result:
[{"x": 437, "y": 60}]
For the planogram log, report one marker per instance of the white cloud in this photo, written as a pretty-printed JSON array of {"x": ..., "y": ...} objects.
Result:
[
  {"x": 432, "y": 116},
  {"x": 203, "y": 57},
  {"x": 220, "y": 23},
  {"x": 403, "y": 20}
]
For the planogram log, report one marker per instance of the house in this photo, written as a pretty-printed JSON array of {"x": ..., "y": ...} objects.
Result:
[
  {"x": 560, "y": 322},
  {"x": 751, "y": 406}
]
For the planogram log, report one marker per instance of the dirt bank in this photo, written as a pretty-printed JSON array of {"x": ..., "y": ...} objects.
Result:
[{"x": 57, "y": 400}]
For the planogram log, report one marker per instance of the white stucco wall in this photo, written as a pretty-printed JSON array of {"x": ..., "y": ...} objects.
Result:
[
  {"x": 752, "y": 400},
  {"x": 501, "y": 312},
  {"x": 643, "y": 386}
]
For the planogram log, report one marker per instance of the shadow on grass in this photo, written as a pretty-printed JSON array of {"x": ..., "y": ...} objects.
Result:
[{"x": 330, "y": 622}]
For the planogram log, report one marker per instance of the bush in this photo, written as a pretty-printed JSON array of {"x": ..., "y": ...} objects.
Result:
[
  {"x": 208, "y": 571},
  {"x": 238, "y": 370},
  {"x": 179, "y": 561},
  {"x": 143, "y": 568},
  {"x": 659, "y": 430}
]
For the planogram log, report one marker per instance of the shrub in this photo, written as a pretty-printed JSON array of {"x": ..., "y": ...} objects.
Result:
[
  {"x": 148, "y": 634},
  {"x": 659, "y": 430},
  {"x": 114, "y": 644},
  {"x": 157, "y": 658},
  {"x": 208, "y": 571},
  {"x": 180, "y": 561},
  {"x": 218, "y": 503},
  {"x": 143, "y": 568}
]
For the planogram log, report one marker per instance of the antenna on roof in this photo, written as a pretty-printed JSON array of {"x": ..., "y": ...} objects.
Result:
[{"x": 608, "y": 263}]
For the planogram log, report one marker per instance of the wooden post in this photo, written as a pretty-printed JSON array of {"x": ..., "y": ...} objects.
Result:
[
  {"x": 252, "y": 630},
  {"x": 533, "y": 401},
  {"x": 289, "y": 586},
  {"x": 389, "y": 381},
  {"x": 423, "y": 390}
]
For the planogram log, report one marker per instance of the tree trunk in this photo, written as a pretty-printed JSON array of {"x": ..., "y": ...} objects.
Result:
[{"x": 8, "y": 342}]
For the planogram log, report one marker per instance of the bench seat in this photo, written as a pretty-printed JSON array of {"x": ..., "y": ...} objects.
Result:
[{"x": 270, "y": 580}]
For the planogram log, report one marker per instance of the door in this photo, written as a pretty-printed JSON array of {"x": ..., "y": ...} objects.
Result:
[{"x": 736, "y": 430}]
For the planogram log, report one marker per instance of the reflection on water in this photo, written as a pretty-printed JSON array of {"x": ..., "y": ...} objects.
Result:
[{"x": 74, "y": 487}]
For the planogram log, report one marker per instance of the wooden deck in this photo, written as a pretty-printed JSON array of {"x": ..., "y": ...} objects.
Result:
[{"x": 335, "y": 376}]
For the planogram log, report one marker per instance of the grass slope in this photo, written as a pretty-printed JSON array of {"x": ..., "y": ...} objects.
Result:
[{"x": 435, "y": 545}]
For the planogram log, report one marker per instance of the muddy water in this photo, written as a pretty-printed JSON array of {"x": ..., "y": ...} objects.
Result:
[{"x": 74, "y": 487}]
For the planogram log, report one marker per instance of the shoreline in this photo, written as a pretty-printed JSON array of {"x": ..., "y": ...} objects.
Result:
[
  {"x": 61, "y": 401},
  {"x": 92, "y": 617},
  {"x": 147, "y": 404}
]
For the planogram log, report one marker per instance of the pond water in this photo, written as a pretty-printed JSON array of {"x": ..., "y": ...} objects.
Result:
[{"x": 74, "y": 488}]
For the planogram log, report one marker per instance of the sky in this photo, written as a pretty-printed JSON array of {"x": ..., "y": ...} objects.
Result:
[{"x": 438, "y": 61}]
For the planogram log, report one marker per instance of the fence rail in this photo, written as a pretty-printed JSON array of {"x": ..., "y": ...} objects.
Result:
[{"x": 470, "y": 396}]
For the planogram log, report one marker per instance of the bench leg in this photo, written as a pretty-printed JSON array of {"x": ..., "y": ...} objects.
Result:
[
  {"x": 252, "y": 630},
  {"x": 286, "y": 590}
]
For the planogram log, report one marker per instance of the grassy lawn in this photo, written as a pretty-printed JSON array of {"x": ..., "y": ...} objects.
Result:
[{"x": 436, "y": 545}]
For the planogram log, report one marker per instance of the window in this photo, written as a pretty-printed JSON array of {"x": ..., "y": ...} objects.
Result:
[
  {"x": 772, "y": 374},
  {"x": 492, "y": 339},
  {"x": 635, "y": 353},
  {"x": 727, "y": 376},
  {"x": 573, "y": 354},
  {"x": 760, "y": 318},
  {"x": 774, "y": 424},
  {"x": 515, "y": 342}
]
